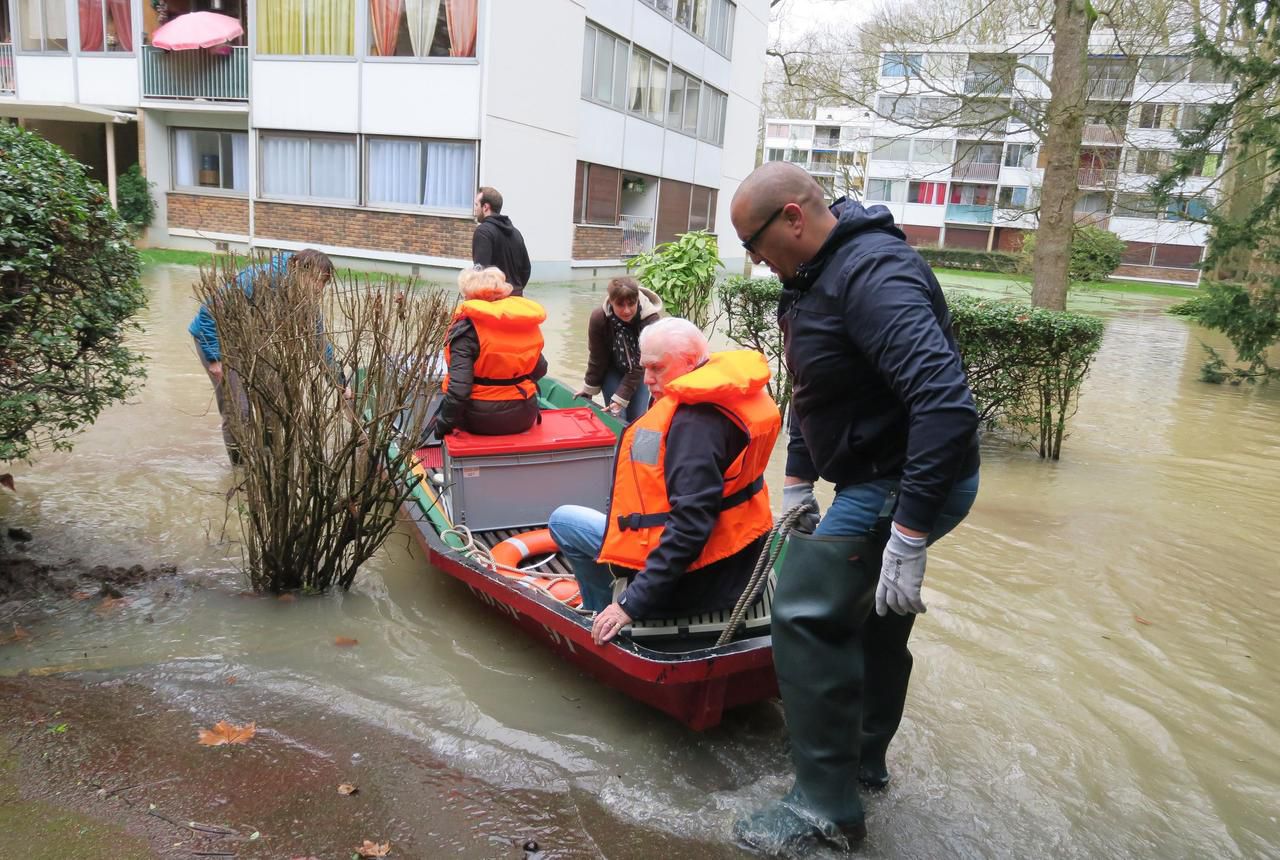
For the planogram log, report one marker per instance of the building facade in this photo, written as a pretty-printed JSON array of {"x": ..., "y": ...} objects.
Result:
[
  {"x": 953, "y": 153},
  {"x": 363, "y": 127},
  {"x": 833, "y": 147}
]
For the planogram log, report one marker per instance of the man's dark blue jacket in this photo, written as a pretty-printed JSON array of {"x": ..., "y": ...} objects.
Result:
[{"x": 880, "y": 391}]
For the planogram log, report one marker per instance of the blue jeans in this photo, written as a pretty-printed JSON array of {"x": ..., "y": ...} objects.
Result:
[
  {"x": 579, "y": 532},
  {"x": 639, "y": 404},
  {"x": 856, "y": 507}
]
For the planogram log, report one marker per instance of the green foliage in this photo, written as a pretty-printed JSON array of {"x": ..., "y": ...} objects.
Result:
[
  {"x": 1250, "y": 320},
  {"x": 68, "y": 292},
  {"x": 750, "y": 307},
  {"x": 1095, "y": 253},
  {"x": 682, "y": 273},
  {"x": 1025, "y": 365},
  {"x": 1191, "y": 308},
  {"x": 133, "y": 194},
  {"x": 974, "y": 261}
]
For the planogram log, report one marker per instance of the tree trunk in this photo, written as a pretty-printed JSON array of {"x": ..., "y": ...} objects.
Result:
[{"x": 1072, "y": 20}]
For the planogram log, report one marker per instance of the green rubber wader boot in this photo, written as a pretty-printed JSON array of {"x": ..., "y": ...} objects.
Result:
[
  {"x": 888, "y": 669},
  {"x": 826, "y": 590}
]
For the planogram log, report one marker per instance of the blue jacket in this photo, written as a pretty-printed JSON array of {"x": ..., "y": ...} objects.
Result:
[
  {"x": 880, "y": 391},
  {"x": 206, "y": 333}
]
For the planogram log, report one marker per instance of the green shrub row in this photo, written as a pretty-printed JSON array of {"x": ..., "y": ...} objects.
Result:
[{"x": 976, "y": 261}]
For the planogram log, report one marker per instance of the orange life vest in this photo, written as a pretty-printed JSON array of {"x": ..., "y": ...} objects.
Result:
[
  {"x": 733, "y": 381},
  {"x": 510, "y": 334}
]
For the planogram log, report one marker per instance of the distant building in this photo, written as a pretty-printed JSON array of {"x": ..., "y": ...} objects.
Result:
[{"x": 833, "y": 147}]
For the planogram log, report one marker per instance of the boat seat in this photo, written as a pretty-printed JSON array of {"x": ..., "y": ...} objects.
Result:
[{"x": 756, "y": 619}]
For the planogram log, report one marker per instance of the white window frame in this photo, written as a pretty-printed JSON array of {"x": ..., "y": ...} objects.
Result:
[
  {"x": 366, "y": 170},
  {"x": 903, "y": 60},
  {"x": 17, "y": 21},
  {"x": 894, "y": 185},
  {"x": 621, "y": 56},
  {"x": 879, "y": 144},
  {"x": 714, "y": 105},
  {"x": 651, "y": 61},
  {"x": 219, "y": 191},
  {"x": 264, "y": 135},
  {"x": 358, "y": 26}
]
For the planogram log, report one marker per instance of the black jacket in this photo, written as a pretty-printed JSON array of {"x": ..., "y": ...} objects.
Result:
[
  {"x": 497, "y": 242},
  {"x": 702, "y": 444},
  {"x": 880, "y": 391},
  {"x": 486, "y": 417}
]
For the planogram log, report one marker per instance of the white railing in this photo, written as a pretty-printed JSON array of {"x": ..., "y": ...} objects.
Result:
[
  {"x": 637, "y": 234},
  {"x": 982, "y": 171},
  {"x": 1092, "y": 177},
  {"x": 7, "y": 82},
  {"x": 1102, "y": 134},
  {"x": 1109, "y": 89},
  {"x": 195, "y": 75}
]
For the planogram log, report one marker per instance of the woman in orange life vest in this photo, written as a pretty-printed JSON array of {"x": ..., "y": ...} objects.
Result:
[
  {"x": 688, "y": 512},
  {"x": 494, "y": 356}
]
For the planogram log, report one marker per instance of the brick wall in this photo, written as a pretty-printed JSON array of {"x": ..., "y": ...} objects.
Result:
[
  {"x": 428, "y": 235},
  {"x": 209, "y": 213},
  {"x": 597, "y": 243},
  {"x": 1160, "y": 273},
  {"x": 921, "y": 236}
]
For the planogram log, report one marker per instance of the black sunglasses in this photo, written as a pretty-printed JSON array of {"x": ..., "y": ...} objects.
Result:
[{"x": 751, "y": 240}]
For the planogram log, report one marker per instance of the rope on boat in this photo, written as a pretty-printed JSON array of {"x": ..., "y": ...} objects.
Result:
[
  {"x": 477, "y": 551},
  {"x": 776, "y": 540}
]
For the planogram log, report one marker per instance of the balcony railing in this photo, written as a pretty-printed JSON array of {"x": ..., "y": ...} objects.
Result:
[
  {"x": 195, "y": 75},
  {"x": 1092, "y": 219},
  {"x": 1109, "y": 89},
  {"x": 637, "y": 234},
  {"x": 970, "y": 213},
  {"x": 981, "y": 171},
  {"x": 1094, "y": 177},
  {"x": 1104, "y": 134},
  {"x": 987, "y": 84},
  {"x": 7, "y": 83}
]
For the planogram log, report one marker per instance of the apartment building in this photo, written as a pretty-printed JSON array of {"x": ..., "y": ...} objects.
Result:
[
  {"x": 363, "y": 127},
  {"x": 833, "y": 146},
  {"x": 953, "y": 156}
]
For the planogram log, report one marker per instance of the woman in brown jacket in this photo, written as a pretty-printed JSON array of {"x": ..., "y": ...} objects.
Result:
[{"x": 613, "y": 344}]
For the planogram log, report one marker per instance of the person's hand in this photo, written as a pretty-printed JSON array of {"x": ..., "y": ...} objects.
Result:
[
  {"x": 614, "y": 409},
  {"x": 215, "y": 371},
  {"x": 798, "y": 494},
  {"x": 582, "y": 394},
  {"x": 609, "y": 623},
  {"x": 901, "y": 574}
]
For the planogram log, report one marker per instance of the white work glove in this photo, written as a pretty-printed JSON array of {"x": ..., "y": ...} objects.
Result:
[
  {"x": 798, "y": 494},
  {"x": 901, "y": 574}
]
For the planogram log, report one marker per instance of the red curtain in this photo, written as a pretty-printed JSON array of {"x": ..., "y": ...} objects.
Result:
[
  {"x": 123, "y": 19},
  {"x": 385, "y": 15},
  {"x": 461, "y": 17},
  {"x": 91, "y": 25}
]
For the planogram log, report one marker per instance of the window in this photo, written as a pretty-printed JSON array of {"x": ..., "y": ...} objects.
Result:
[
  {"x": 438, "y": 174},
  {"x": 413, "y": 29},
  {"x": 777, "y": 129},
  {"x": 105, "y": 25},
  {"x": 890, "y": 149},
  {"x": 1148, "y": 161},
  {"x": 701, "y": 213},
  {"x": 931, "y": 151},
  {"x": 692, "y": 15},
  {"x": 774, "y": 155},
  {"x": 43, "y": 25},
  {"x": 662, "y": 7},
  {"x": 1136, "y": 206},
  {"x": 317, "y": 167},
  {"x": 604, "y": 67},
  {"x": 210, "y": 159},
  {"x": 1157, "y": 116},
  {"x": 888, "y": 190},
  {"x": 900, "y": 65},
  {"x": 1020, "y": 155},
  {"x": 682, "y": 102},
  {"x": 1186, "y": 208},
  {"x": 1163, "y": 69},
  {"x": 897, "y": 107},
  {"x": 1192, "y": 117},
  {"x": 798, "y": 156},
  {"x": 720, "y": 18},
  {"x": 935, "y": 108},
  {"x": 597, "y": 194},
  {"x": 1204, "y": 72},
  {"x": 1205, "y": 165},
  {"x": 1034, "y": 67},
  {"x": 712, "y": 115},
  {"x": 310, "y": 27},
  {"x": 933, "y": 193},
  {"x": 646, "y": 85},
  {"x": 1014, "y": 197}
]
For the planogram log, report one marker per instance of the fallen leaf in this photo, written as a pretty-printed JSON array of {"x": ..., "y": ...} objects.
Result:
[
  {"x": 345, "y": 641},
  {"x": 224, "y": 732},
  {"x": 6, "y": 480},
  {"x": 17, "y": 635},
  {"x": 1140, "y": 619},
  {"x": 287, "y": 597},
  {"x": 231, "y": 679},
  {"x": 347, "y": 788},
  {"x": 80, "y": 595},
  {"x": 373, "y": 849},
  {"x": 110, "y": 604}
]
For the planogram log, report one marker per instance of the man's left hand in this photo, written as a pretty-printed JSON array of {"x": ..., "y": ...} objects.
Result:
[
  {"x": 901, "y": 573},
  {"x": 609, "y": 623}
]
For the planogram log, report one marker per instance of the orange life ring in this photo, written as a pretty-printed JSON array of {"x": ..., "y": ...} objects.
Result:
[{"x": 517, "y": 548}]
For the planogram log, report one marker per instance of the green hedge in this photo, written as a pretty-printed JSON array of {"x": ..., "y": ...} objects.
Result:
[
  {"x": 977, "y": 261},
  {"x": 1025, "y": 365},
  {"x": 750, "y": 308}
]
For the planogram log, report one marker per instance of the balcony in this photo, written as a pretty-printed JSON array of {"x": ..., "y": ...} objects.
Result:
[
  {"x": 1105, "y": 135},
  {"x": 637, "y": 234},
  {"x": 970, "y": 213},
  {"x": 987, "y": 84},
  {"x": 1110, "y": 89},
  {"x": 195, "y": 75},
  {"x": 976, "y": 171},
  {"x": 7, "y": 84},
  {"x": 1095, "y": 177}
]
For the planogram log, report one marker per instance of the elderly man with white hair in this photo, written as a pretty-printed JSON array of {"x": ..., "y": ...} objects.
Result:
[{"x": 689, "y": 510}]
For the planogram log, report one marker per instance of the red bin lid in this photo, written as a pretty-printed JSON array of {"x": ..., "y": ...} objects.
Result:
[{"x": 560, "y": 430}]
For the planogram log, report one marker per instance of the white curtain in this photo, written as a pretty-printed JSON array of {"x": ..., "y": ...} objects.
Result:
[
  {"x": 394, "y": 168},
  {"x": 284, "y": 166},
  {"x": 184, "y": 159},
  {"x": 239, "y": 161},
  {"x": 333, "y": 169},
  {"x": 451, "y": 175},
  {"x": 423, "y": 16}
]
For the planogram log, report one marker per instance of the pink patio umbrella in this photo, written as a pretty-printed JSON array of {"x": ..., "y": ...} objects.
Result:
[{"x": 196, "y": 30}]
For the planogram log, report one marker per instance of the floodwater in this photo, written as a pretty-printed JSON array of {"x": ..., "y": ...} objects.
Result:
[{"x": 1096, "y": 675}]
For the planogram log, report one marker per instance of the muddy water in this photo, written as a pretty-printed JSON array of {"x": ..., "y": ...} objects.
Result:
[{"x": 1096, "y": 675}]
